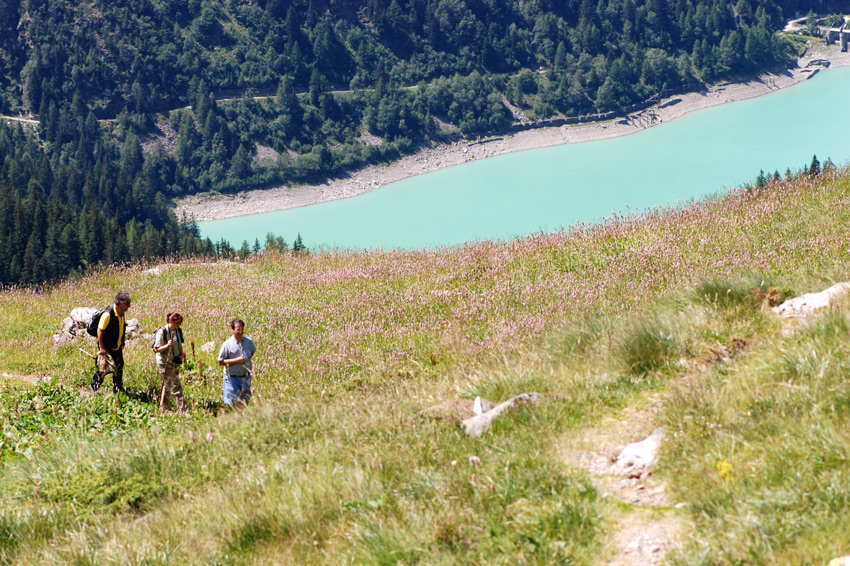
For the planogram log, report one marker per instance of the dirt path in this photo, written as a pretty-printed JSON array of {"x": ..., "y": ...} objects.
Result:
[
  {"x": 14, "y": 378},
  {"x": 18, "y": 119},
  {"x": 646, "y": 524}
]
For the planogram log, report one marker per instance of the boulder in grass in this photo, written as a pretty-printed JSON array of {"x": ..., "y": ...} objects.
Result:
[
  {"x": 843, "y": 561},
  {"x": 805, "y": 305},
  {"x": 208, "y": 348},
  {"x": 134, "y": 329},
  {"x": 82, "y": 315},
  {"x": 457, "y": 410},
  {"x": 73, "y": 326},
  {"x": 479, "y": 424},
  {"x": 636, "y": 460}
]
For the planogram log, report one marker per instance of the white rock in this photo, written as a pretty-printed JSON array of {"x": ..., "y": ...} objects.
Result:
[
  {"x": 208, "y": 348},
  {"x": 72, "y": 326},
  {"x": 82, "y": 314},
  {"x": 134, "y": 328},
  {"x": 805, "y": 305},
  {"x": 479, "y": 424},
  {"x": 637, "y": 459},
  {"x": 476, "y": 406}
]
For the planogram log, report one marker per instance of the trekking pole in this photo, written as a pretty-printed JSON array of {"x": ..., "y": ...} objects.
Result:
[
  {"x": 198, "y": 364},
  {"x": 88, "y": 354}
]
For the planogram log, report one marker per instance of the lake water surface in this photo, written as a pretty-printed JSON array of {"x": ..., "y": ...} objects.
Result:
[{"x": 502, "y": 197}]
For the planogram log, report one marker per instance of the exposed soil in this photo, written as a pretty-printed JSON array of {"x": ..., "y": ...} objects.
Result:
[{"x": 648, "y": 527}]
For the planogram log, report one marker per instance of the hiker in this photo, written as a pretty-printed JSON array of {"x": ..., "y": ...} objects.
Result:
[
  {"x": 110, "y": 337},
  {"x": 168, "y": 345},
  {"x": 235, "y": 355}
]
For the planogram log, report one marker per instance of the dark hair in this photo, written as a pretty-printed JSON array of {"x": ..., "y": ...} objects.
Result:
[
  {"x": 173, "y": 315},
  {"x": 122, "y": 297},
  {"x": 236, "y": 321}
]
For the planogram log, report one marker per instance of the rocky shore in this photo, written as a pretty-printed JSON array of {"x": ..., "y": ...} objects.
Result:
[{"x": 203, "y": 208}]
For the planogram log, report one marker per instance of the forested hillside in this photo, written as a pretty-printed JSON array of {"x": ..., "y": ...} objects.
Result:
[{"x": 139, "y": 101}]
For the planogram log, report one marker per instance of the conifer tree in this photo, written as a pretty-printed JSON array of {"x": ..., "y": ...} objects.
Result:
[{"x": 814, "y": 166}]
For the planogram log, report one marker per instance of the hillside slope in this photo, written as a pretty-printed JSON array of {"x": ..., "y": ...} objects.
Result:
[
  {"x": 665, "y": 315},
  {"x": 316, "y": 82}
]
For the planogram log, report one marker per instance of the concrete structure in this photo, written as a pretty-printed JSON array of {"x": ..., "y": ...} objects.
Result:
[{"x": 840, "y": 35}]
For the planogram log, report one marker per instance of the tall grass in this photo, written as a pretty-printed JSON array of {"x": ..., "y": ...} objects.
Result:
[
  {"x": 332, "y": 464},
  {"x": 768, "y": 451}
]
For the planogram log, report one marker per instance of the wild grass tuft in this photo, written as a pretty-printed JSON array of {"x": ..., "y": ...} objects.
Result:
[
  {"x": 647, "y": 344},
  {"x": 740, "y": 294}
]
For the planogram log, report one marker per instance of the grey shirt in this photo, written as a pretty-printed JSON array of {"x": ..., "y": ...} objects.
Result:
[
  {"x": 163, "y": 335},
  {"x": 233, "y": 349}
]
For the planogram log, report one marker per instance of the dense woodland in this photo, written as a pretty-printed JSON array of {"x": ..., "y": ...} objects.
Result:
[{"x": 140, "y": 101}]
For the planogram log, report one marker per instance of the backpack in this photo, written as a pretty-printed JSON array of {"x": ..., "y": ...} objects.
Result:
[
  {"x": 91, "y": 327},
  {"x": 155, "y": 334},
  {"x": 178, "y": 335}
]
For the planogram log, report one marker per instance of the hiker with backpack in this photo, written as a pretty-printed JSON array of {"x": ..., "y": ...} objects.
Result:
[
  {"x": 168, "y": 345},
  {"x": 109, "y": 327}
]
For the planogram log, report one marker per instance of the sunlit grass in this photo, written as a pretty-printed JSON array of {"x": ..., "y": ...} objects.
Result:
[
  {"x": 768, "y": 450},
  {"x": 332, "y": 463}
]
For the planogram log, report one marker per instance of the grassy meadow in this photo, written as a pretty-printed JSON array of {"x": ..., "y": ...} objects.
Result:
[{"x": 332, "y": 463}]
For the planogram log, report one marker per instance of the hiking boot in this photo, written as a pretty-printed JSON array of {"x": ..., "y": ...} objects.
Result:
[{"x": 96, "y": 381}]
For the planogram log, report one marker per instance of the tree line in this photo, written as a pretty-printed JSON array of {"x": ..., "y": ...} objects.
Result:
[{"x": 67, "y": 207}]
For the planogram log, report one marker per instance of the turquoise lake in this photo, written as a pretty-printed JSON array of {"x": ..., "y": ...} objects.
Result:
[{"x": 700, "y": 154}]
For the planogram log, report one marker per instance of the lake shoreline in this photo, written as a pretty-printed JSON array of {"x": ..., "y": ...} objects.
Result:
[{"x": 205, "y": 208}]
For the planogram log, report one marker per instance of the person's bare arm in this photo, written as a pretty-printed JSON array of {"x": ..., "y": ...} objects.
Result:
[
  {"x": 100, "y": 340},
  {"x": 231, "y": 361}
]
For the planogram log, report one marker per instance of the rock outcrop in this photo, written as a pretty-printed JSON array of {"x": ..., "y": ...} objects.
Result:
[
  {"x": 74, "y": 327},
  {"x": 805, "y": 306},
  {"x": 458, "y": 410},
  {"x": 637, "y": 459}
]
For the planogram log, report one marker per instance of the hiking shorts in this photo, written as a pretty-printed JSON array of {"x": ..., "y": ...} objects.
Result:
[{"x": 237, "y": 389}]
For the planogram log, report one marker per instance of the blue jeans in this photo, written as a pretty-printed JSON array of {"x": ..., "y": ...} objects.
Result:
[{"x": 237, "y": 389}]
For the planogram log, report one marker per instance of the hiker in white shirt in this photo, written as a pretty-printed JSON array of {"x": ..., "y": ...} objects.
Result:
[{"x": 235, "y": 355}]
